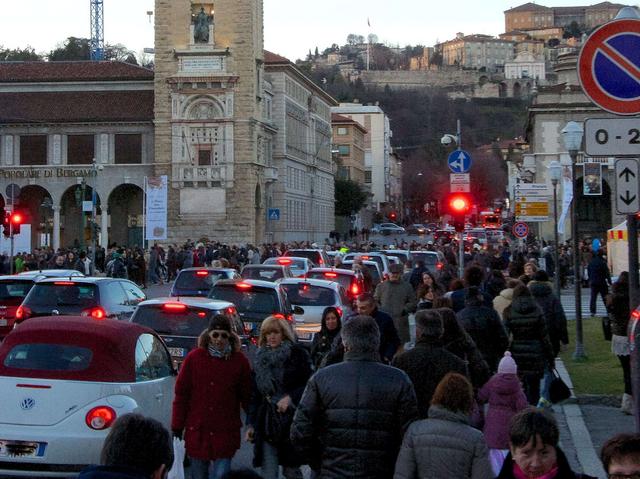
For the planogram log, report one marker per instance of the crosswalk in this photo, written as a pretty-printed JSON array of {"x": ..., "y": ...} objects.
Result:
[{"x": 568, "y": 303}]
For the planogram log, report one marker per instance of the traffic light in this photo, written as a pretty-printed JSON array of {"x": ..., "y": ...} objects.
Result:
[
  {"x": 393, "y": 216},
  {"x": 6, "y": 228},
  {"x": 458, "y": 206},
  {"x": 16, "y": 218}
]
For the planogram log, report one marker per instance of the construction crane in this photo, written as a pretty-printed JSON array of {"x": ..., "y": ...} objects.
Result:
[{"x": 97, "y": 30}]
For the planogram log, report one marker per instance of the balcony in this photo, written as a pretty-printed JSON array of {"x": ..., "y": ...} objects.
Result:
[{"x": 198, "y": 176}]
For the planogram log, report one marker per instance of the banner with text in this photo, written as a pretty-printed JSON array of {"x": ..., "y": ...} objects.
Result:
[{"x": 155, "y": 188}]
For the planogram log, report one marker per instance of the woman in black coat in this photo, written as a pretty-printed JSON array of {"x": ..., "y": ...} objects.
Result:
[
  {"x": 323, "y": 340},
  {"x": 282, "y": 368},
  {"x": 530, "y": 345}
]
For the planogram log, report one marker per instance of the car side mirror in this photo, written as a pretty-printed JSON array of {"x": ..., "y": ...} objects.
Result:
[{"x": 298, "y": 310}]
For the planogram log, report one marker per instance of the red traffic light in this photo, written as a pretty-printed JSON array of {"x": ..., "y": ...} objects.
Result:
[
  {"x": 392, "y": 216},
  {"x": 17, "y": 218},
  {"x": 459, "y": 204}
]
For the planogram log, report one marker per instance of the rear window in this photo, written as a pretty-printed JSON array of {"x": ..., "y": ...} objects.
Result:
[
  {"x": 14, "y": 290},
  {"x": 251, "y": 300},
  {"x": 266, "y": 274},
  {"x": 187, "y": 322},
  {"x": 426, "y": 258},
  {"x": 401, "y": 256},
  {"x": 48, "y": 357},
  {"x": 343, "y": 279},
  {"x": 294, "y": 264},
  {"x": 312, "y": 255},
  {"x": 64, "y": 293},
  {"x": 201, "y": 280},
  {"x": 377, "y": 259},
  {"x": 308, "y": 295}
]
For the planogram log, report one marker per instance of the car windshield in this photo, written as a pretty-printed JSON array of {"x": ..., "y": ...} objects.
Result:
[
  {"x": 426, "y": 258},
  {"x": 296, "y": 264},
  {"x": 263, "y": 274},
  {"x": 305, "y": 294},
  {"x": 342, "y": 279},
  {"x": 177, "y": 322},
  {"x": 311, "y": 255},
  {"x": 63, "y": 293},
  {"x": 377, "y": 259},
  {"x": 198, "y": 279},
  {"x": 48, "y": 357},
  {"x": 401, "y": 256},
  {"x": 250, "y": 299},
  {"x": 12, "y": 291}
]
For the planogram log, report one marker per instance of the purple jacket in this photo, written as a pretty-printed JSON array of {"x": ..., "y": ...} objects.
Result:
[{"x": 504, "y": 394}]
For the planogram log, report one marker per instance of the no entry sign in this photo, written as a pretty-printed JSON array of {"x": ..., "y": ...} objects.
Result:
[{"x": 609, "y": 67}]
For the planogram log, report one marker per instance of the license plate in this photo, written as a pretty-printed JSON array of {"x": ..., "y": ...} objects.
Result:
[
  {"x": 3, "y": 322},
  {"x": 177, "y": 352},
  {"x": 21, "y": 448}
]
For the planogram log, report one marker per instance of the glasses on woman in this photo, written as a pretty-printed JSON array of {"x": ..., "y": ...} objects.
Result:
[{"x": 216, "y": 335}]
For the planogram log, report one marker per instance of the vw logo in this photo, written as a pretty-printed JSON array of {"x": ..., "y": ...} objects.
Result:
[
  {"x": 55, "y": 312},
  {"x": 27, "y": 403}
]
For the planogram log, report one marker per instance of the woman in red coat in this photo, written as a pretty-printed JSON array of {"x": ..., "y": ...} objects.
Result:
[{"x": 214, "y": 381}]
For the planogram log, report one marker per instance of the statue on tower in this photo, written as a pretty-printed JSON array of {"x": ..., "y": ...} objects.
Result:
[{"x": 201, "y": 27}]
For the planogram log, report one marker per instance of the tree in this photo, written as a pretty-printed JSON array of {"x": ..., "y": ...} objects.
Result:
[
  {"x": 349, "y": 197},
  {"x": 119, "y": 53},
  {"x": 436, "y": 59},
  {"x": 316, "y": 53},
  {"x": 553, "y": 42},
  {"x": 573, "y": 30},
  {"x": 373, "y": 38},
  {"x": 73, "y": 48},
  {"x": 19, "y": 54}
]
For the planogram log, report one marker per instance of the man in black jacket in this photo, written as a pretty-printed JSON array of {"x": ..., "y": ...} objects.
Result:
[
  {"x": 352, "y": 415},
  {"x": 429, "y": 361},
  {"x": 599, "y": 280}
]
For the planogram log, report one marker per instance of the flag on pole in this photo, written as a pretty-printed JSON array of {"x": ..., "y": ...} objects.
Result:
[{"x": 368, "y": 22}]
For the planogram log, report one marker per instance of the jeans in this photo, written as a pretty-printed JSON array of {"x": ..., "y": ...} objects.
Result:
[
  {"x": 546, "y": 383},
  {"x": 200, "y": 468},
  {"x": 270, "y": 464},
  {"x": 602, "y": 290}
]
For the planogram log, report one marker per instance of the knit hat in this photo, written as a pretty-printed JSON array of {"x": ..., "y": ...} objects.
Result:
[
  {"x": 219, "y": 322},
  {"x": 507, "y": 365}
]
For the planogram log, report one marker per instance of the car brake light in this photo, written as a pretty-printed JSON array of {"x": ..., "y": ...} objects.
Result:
[
  {"x": 278, "y": 315},
  {"x": 202, "y": 314},
  {"x": 355, "y": 289},
  {"x": 63, "y": 283},
  {"x": 365, "y": 258},
  {"x": 96, "y": 313},
  {"x": 243, "y": 285},
  {"x": 284, "y": 261},
  {"x": 320, "y": 261},
  {"x": 22, "y": 313},
  {"x": 175, "y": 307},
  {"x": 339, "y": 310},
  {"x": 331, "y": 275},
  {"x": 202, "y": 273},
  {"x": 439, "y": 265},
  {"x": 635, "y": 314},
  {"x": 100, "y": 417}
]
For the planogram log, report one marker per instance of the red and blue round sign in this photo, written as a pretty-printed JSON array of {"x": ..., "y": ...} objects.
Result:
[
  {"x": 520, "y": 229},
  {"x": 609, "y": 67}
]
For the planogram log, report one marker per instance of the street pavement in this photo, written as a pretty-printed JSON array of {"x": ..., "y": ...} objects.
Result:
[{"x": 567, "y": 298}]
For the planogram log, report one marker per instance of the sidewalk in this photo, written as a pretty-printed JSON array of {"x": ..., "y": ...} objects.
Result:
[{"x": 585, "y": 424}]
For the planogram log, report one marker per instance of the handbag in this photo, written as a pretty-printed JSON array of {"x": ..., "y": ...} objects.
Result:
[
  {"x": 606, "y": 327},
  {"x": 277, "y": 424},
  {"x": 558, "y": 390},
  {"x": 177, "y": 470}
]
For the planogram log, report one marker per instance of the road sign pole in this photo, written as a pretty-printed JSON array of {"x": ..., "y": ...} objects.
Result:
[
  {"x": 634, "y": 276},
  {"x": 12, "y": 266},
  {"x": 461, "y": 255},
  {"x": 577, "y": 273}
]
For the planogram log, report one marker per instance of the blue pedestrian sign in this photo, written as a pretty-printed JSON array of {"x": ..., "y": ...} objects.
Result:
[
  {"x": 273, "y": 214},
  {"x": 459, "y": 161}
]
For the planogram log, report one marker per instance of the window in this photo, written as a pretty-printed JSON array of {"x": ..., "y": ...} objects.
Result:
[
  {"x": 367, "y": 176},
  {"x": 343, "y": 173},
  {"x": 33, "y": 150},
  {"x": 152, "y": 359},
  {"x": 204, "y": 157},
  {"x": 343, "y": 131},
  {"x": 344, "y": 150},
  {"x": 112, "y": 294},
  {"x": 128, "y": 149},
  {"x": 80, "y": 149},
  {"x": 49, "y": 357},
  {"x": 134, "y": 294}
]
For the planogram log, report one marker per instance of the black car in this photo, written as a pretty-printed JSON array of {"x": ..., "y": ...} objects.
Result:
[
  {"x": 198, "y": 281},
  {"x": 181, "y": 321},
  {"x": 255, "y": 301},
  {"x": 96, "y": 297}
]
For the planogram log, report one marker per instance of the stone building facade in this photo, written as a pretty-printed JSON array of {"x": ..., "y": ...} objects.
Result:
[
  {"x": 211, "y": 134},
  {"x": 348, "y": 139},
  {"x": 304, "y": 192},
  {"x": 476, "y": 51}
]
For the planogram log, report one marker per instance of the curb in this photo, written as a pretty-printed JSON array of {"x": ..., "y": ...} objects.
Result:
[{"x": 589, "y": 460}]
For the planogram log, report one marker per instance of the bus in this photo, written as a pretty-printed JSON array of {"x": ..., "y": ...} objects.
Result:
[{"x": 489, "y": 219}]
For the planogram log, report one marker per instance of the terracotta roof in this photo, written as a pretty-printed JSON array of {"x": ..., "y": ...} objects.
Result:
[
  {"x": 274, "y": 58},
  {"x": 11, "y": 72},
  {"x": 528, "y": 7},
  {"x": 81, "y": 106}
]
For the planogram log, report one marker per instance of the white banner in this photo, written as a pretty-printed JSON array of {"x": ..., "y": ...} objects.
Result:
[
  {"x": 156, "y": 211},
  {"x": 567, "y": 196}
]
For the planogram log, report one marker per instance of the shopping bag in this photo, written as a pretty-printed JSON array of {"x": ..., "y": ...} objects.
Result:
[
  {"x": 558, "y": 390},
  {"x": 177, "y": 470}
]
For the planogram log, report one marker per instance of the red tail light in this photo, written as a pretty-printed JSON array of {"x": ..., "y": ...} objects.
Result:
[
  {"x": 64, "y": 283},
  {"x": 202, "y": 273},
  {"x": 22, "y": 313},
  {"x": 331, "y": 275},
  {"x": 439, "y": 265},
  {"x": 96, "y": 313},
  {"x": 284, "y": 261},
  {"x": 202, "y": 314},
  {"x": 101, "y": 417},
  {"x": 320, "y": 262},
  {"x": 339, "y": 311},
  {"x": 365, "y": 258},
  {"x": 278, "y": 316},
  {"x": 355, "y": 289},
  {"x": 289, "y": 317},
  {"x": 231, "y": 311},
  {"x": 243, "y": 286},
  {"x": 175, "y": 307},
  {"x": 635, "y": 314}
]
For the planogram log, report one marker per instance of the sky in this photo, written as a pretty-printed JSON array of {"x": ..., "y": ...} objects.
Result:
[{"x": 292, "y": 27}]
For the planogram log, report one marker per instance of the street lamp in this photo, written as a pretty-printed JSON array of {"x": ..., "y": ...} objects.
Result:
[
  {"x": 572, "y": 136},
  {"x": 555, "y": 173}
]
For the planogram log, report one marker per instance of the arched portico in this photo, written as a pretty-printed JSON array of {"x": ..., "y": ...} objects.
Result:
[
  {"x": 126, "y": 215},
  {"x": 36, "y": 203},
  {"x": 75, "y": 224}
]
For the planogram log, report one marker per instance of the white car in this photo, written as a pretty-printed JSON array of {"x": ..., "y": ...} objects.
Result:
[
  {"x": 65, "y": 380},
  {"x": 387, "y": 228},
  {"x": 314, "y": 296}
]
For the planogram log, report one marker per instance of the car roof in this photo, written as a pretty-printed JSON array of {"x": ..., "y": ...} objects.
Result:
[
  {"x": 81, "y": 279},
  {"x": 264, "y": 266},
  {"x": 206, "y": 268},
  {"x": 420, "y": 251},
  {"x": 252, "y": 282},
  {"x": 112, "y": 342},
  {"x": 312, "y": 281},
  {"x": 199, "y": 302},
  {"x": 333, "y": 270},
  {"x": 50, "y": 273}
]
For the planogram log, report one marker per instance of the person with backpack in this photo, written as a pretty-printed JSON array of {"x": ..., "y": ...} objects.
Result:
[{"x": 116, "y": 267}]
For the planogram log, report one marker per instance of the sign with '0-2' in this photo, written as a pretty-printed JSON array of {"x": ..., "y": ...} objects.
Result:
[
  {"x": 612, "y": 136},
  {"x": 627, "y": 201}
]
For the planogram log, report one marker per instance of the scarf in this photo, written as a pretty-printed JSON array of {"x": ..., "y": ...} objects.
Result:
[
  {"x": 220, "y": 353},
  {"x": 269, "y": 368},
  {"x": 519, "y": 474}
]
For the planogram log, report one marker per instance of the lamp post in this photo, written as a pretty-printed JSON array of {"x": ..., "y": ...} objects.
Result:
[
  {"x": 572, "y": 136},
  {"x": 555, "y": 172}
]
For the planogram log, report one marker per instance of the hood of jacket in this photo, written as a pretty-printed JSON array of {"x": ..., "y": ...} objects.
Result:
[
  {"x": 507, "y": 294},
  {"x": 540, "y": 288},
  {"x": 505, "y": 384},
  {"x": 524, "y": 305},
  {"x": 442, "y": 413}
]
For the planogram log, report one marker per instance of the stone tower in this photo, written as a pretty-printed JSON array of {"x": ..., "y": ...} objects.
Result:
[{"x": 209, "y": 112}]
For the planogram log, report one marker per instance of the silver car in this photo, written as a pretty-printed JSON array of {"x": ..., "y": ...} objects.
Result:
[{"x": 314, "y": 296}]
